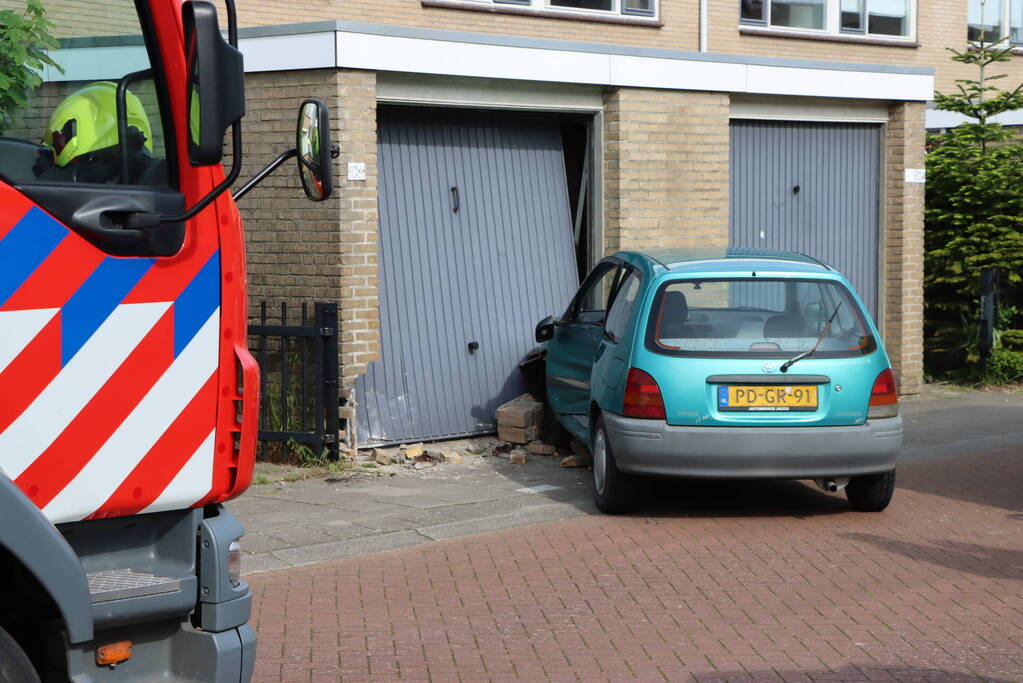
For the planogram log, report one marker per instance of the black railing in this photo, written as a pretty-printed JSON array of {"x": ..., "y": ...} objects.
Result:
[
  {"x": 991, "y": 291},
  {"x": 298, "y": 379}
]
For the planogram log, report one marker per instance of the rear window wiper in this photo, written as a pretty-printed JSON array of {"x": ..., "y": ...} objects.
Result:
[{"x": 787, "y": 364}]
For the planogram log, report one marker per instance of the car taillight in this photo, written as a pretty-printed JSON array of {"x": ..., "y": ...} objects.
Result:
[
  {"x": 884, "y": 399},
  {"x": 642, "y": 396}
]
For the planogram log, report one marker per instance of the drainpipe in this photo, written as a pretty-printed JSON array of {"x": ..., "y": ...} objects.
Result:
[{"x": 703, "y": 25}]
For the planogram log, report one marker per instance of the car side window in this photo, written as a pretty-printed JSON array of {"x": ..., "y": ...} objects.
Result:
[
  {"x": 98, "y": 116},
  {"x": 592, "y": 301},
  {"x": 621, "y": 308}
]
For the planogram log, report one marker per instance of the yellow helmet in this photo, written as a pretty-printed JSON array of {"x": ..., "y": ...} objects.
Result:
[{"x": 86, "y": 121}]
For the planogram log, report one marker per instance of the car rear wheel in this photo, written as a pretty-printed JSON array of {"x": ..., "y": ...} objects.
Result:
[
  {"x": 15, "y": 666},
  {"x": 612, "y": 490},
  {"x": 872, "y": 492}
]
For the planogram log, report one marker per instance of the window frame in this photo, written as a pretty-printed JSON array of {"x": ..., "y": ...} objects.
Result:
[
  {"x": 650, "y": 332},
  {"x": 148, "y": 36},
  {"x": 1005, "y": 23},
  {"x": 625, "y": 275},
  {"x": 833, "y": 23},
  {"x": 618, "y": 8},
  {"x": 604, "y": 267}
]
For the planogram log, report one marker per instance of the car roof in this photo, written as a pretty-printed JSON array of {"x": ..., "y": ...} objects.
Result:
[{"x": 679, "y": 259}]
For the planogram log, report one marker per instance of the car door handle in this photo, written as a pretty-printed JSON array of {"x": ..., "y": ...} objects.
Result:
[{"x": 600, "y": 350}]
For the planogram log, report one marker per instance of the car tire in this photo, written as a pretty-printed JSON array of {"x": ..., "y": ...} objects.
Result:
[
  {"x": 872, "y": 492},
  {"x": 612, "y": 489},
  {"x": 15, "y": 666}
]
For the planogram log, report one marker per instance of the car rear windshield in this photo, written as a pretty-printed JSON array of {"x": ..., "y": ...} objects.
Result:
[{"x": 756, "y": 318}]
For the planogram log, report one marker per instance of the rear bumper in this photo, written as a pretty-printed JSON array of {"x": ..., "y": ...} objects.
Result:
[{"x": 657, "y": 448}]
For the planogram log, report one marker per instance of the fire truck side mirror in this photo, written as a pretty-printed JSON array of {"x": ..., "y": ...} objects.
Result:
[
  {"x": 216, "y": 84},
  {"x": 315, "y": 151}
]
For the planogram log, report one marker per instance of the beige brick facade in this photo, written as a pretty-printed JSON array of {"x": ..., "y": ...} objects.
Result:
[
  {"x": 665, "y": 173},
  {"x": 360, "y": 312},
  {"x": 300, "y": 251},
  {"x": 665, "y": 169},
  {"x": 903, "y": 245},
  {"x": 941, "y": 24},
  {"x": 293, "y": 244}
]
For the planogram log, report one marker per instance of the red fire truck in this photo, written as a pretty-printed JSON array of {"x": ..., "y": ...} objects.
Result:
[{"x": 127, "y": 395}]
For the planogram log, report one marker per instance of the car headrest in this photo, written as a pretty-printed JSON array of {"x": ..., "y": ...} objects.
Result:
[
  {"x": 675, "y": 307},
  {"x": 785, "y": 326},
  {"x": 673, "y": 314}
]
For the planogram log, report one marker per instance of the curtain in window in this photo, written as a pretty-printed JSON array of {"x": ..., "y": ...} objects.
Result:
[{"x": 798, "y": 13}]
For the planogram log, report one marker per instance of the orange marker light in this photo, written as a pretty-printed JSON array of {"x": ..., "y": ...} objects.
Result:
[{"x": 113, "y": 653}]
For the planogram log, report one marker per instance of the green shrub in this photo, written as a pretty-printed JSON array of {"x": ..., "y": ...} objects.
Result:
[
  {"x": 24, "y": 39},
  {"x": 974, "y": 213},
  {"x": 1012, "y": 340},
  {"x": 1005, "y": 366}
]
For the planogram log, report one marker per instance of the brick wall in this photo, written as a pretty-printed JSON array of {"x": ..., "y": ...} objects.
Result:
[
  {"x": 941, "y": 24},
  {"x": 678, "y": 17},
  {"x": 665, "y": 169},
  {"x": 293, "y": 244},
  {"x": 300, "y": 251},
  {"x": 360, "y": 313},
  {"x": 904, "y": 244}
]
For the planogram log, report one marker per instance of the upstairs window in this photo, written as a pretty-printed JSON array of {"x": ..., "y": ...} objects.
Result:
[
  {"x": 875, "y": 18},
  {"x": 992, "y": 20},
  {"x": 621, "y": 8}
]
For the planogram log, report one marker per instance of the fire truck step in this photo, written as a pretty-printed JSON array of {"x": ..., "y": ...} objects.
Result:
[{"x": 118, "y": 584}]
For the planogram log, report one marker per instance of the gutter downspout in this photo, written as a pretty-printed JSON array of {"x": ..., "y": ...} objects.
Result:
[{"x": 703, "y": 25}]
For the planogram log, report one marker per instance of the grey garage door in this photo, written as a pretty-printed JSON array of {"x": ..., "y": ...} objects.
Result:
[
  {"x": 475, "y": 248},
  {"x": 810, "y": 188}
]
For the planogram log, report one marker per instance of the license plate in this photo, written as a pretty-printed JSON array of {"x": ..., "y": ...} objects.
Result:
[{"x": 773, "y": 398}]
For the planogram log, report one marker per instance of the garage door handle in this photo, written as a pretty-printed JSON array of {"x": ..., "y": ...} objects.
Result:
[
  {"x": 473, "y": 345},
  {"x": 454, "y": 200}
]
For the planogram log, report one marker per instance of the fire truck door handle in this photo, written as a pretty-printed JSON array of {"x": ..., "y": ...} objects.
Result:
[{"x": 115, "y": 220}]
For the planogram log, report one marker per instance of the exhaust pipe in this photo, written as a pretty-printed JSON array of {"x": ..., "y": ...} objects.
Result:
[{"x": 833, "y": 485}]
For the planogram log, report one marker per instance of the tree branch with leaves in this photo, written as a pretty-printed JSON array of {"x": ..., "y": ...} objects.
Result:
[{"x": 24, "y": 40}]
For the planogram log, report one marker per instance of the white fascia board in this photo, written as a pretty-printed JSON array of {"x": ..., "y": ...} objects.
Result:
[
  {"x": 676, "y": 74},
  {"x": 356, "y": 49},
  {"x": 441, "y": 57},
  {"x": 775, "y": 80},
  {"x": 96, "y": 63},
  {"x": 950, "y": 119},
  {"x": 289, "y": 53}
]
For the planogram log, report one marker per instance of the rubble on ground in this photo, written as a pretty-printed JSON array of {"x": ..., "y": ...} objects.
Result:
[{"x": 576, "y": 461}]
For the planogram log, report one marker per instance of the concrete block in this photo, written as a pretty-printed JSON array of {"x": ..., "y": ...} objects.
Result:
[
  {"x": 523, "y": 411},
  {"x": 521, "y": 435}
]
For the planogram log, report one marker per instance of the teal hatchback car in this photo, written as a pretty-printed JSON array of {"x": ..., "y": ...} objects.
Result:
[{"x": 726, "y": 364}]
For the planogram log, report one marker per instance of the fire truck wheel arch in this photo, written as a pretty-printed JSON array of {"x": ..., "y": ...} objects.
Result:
[{"x": 27, "y": 535}]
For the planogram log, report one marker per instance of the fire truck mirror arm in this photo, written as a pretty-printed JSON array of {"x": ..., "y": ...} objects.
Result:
[{"x": 314, "y": 151}]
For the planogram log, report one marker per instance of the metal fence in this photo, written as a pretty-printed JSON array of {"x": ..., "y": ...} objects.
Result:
[
  {"x": 995, "y": 298},
  {"x": 298, "y": 379}
]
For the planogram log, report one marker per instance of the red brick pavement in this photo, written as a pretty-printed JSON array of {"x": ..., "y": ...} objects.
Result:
[{"x": 711, "y": 582}]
